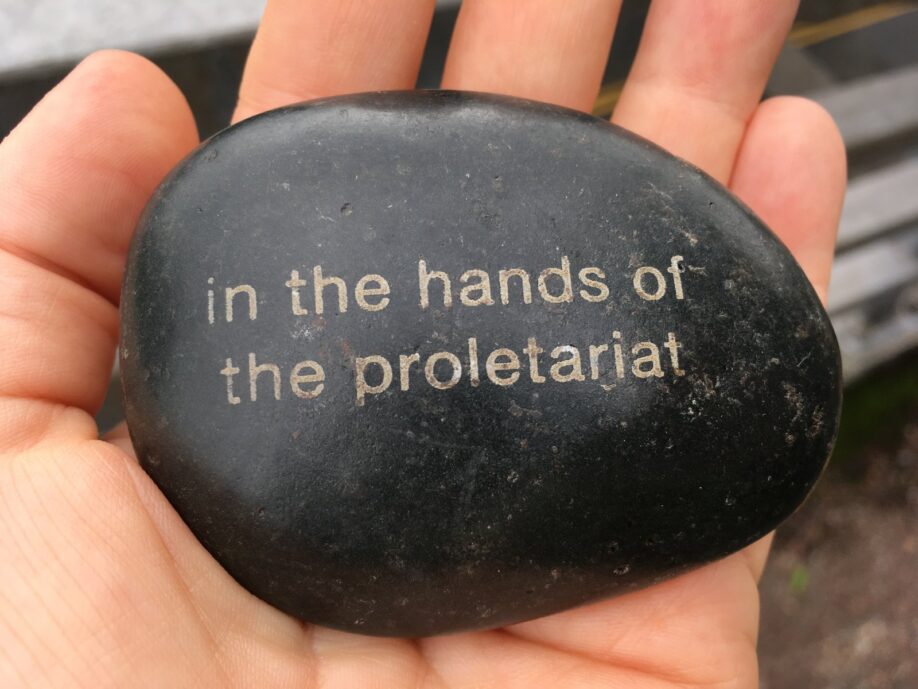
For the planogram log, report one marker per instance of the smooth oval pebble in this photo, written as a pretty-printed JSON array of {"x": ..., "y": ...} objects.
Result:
[{"x": 626, "y": 376}]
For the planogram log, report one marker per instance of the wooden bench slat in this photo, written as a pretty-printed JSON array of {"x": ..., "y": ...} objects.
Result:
[
  {"x": 867, "y": 341},
  {"x": 873, "y": 269},
  {"x": 878, "y": 202}
]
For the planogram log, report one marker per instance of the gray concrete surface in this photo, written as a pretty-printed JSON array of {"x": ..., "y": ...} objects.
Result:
[{"x": 38, "y": 35}]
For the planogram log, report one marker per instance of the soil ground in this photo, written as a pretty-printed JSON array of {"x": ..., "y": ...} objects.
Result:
[{"x": 840, "y": 593}]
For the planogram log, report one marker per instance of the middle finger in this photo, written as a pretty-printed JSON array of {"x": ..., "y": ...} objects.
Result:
[
  {"x": 309, "y": 49},
  {"x": 541, "y": 49}
]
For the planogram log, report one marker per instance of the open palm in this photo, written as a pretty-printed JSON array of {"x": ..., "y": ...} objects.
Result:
[{"x": 101, "y": 584}]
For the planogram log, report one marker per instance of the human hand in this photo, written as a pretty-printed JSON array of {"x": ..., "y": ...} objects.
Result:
[{"x": 101, "y": 584}]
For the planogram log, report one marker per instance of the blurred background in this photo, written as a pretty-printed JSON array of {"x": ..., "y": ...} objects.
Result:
[{"x": 840, "y": 594}]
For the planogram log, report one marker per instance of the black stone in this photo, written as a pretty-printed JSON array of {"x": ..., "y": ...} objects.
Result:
[{"x": 426, "y": 510}]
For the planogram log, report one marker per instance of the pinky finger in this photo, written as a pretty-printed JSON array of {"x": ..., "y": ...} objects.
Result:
[{"x": 791, "y": 171}]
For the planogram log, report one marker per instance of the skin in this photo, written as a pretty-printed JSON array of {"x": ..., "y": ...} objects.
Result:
[{"x": 102, "y": 585}]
